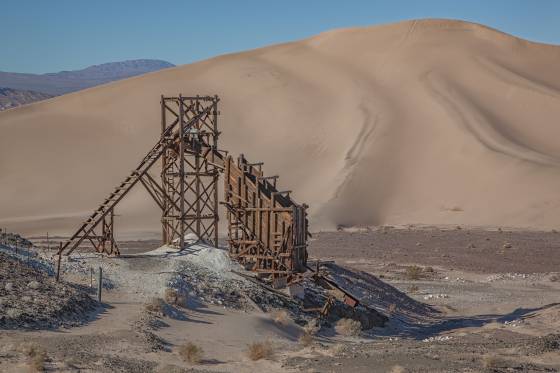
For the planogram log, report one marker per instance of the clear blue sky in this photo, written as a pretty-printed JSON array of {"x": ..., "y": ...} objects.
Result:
[{"x": 48, "y": 36}]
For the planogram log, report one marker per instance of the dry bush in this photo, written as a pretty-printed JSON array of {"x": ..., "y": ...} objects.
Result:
[
  {"x": 413, "y": 273},
  {"x": 491, "y": 361},
  {"x": 36, "y": 354},
  {"x": 554, "y": 278},
  {"x": 413, "y": 289},
  {"x": 348, "y": 327},
  {"x": 156, "y": 305},
  {"x": 397, "y": 369},
  {"x": 260, "y": 350},
  {"x": 312, "y": 327},
  {"x": 70, "y": 363},
  {"x": 392, "y": 309},
  {"x": 306, "y": 339},
  {"x": 280, "y": 317},
  {"x": 190, "y": 353},
  {"x": 336, "y": 349},
  {"x": 429, "y": 269},
  {"x": 181, "y": 300},
  {"x": 170, "y": 296}
]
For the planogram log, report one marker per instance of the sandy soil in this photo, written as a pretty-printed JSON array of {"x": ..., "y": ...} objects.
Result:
[
  {"x": 467, "y": 317},
  {"x": 432, "y": 121}
]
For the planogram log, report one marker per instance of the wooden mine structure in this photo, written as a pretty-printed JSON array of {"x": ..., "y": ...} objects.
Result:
[{"x": 267, "y": 230}]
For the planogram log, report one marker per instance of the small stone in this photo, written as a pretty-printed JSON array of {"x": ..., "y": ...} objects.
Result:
[
  {"x": 507, "y": 245},
  {"x": 9, "y": 286}
]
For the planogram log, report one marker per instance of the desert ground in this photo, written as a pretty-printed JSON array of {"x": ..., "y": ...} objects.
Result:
[{"x": 458, "y": 299}]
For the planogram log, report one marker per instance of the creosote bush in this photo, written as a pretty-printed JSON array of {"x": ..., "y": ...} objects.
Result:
[
  {"x": 156, "y": 305},
  {"x": 190, "y": 353},
  {"x": 259, "y": 350},
  {"x": 36, "y": 354},
  {"x": 280, "y": 317},
  {"x": 306, "y": 339},
  {"x": 348, "y": 327},
  {"x": 170, "y": 296},
  {"x": 413, "y": 273}
]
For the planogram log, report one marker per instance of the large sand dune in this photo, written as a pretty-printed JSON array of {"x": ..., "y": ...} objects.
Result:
[{"x": 433, "y": 122}]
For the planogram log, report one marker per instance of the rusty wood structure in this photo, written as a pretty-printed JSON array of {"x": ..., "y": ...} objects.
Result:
[
  {"x": 191, "y": 165},
  {"x": 267, "y": 230},
  {"x": 187, "y": 191}
]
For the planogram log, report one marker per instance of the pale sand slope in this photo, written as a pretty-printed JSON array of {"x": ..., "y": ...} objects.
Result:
[{"x": 434, "y": 122}]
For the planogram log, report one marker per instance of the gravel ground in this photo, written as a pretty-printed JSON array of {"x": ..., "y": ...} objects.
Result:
[
  {"x": 468, "y": 249},
  {"x": 31, "y": 299}
]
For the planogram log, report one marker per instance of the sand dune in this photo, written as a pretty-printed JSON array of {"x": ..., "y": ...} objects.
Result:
[{"x": 433, "y": 122}]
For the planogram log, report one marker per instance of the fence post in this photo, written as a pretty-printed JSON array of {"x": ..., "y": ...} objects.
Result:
[
  {"x": 99, "y": 284},
  {"x": 58, "y": 263}
]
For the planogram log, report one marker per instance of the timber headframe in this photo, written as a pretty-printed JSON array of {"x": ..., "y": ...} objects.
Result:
[{"x": 267, "y": 230}]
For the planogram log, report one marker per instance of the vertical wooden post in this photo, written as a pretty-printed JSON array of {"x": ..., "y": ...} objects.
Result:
[
  {"x": 58, "y": 263},
  {"x": 216, "y": 176},
  {"x": 164, "y": 237},
  {"x": 99, "y": 284},
  {"x": 182, "y": 172}
]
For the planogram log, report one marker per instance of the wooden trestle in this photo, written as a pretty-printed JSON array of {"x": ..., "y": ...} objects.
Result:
[{"x": 267, "y": 229}]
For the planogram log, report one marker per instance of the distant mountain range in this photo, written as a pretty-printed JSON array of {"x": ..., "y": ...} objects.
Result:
[
  {"x": 10, "y": 98},
  {"x": 19, "y": 88}
]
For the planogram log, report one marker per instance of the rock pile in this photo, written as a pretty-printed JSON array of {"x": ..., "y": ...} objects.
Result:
[{"x": 30, "y": 299}]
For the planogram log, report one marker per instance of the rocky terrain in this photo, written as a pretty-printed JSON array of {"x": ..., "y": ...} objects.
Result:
[
  {"x": 10, "y": 98},
  {"x": 30, "y": 298},
  {"x": 448, "y": 311}
]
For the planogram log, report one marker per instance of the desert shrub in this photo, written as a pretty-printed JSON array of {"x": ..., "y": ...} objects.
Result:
[
  {"x": 259, "y": 350},
  {"x": 397, "y": 369},
  {"x": 306, "y": 339},
  {"x": 413, "y": 289},
  {"x": 336, "y": 349},
  {"x": 429, "y": 269},
  {"x": 491, "y": 362},
  {"x": 391, "y": 309},
  {"x": 36, "y": 354},
  {"x": 181, "y": 300},
  {"x": 348, "y": 327},
  {"x": 280, "y": 317},
  {"x": 554, "y": 278},
  {"x": 155, "y": 305},
  {"x": 170, "y": 296},
  {"x": 190, "y": 353},
  {"x": 70, "y": 363},
  {"x": 312, "y": 328},
  {"x": 413, "y": 273}
]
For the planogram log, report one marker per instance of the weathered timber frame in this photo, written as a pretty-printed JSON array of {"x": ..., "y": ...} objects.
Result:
[
  {"x": 188, "y": 192},
  {"x": 190, "y": 170},
  {"x": 267, "y": 229}
]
